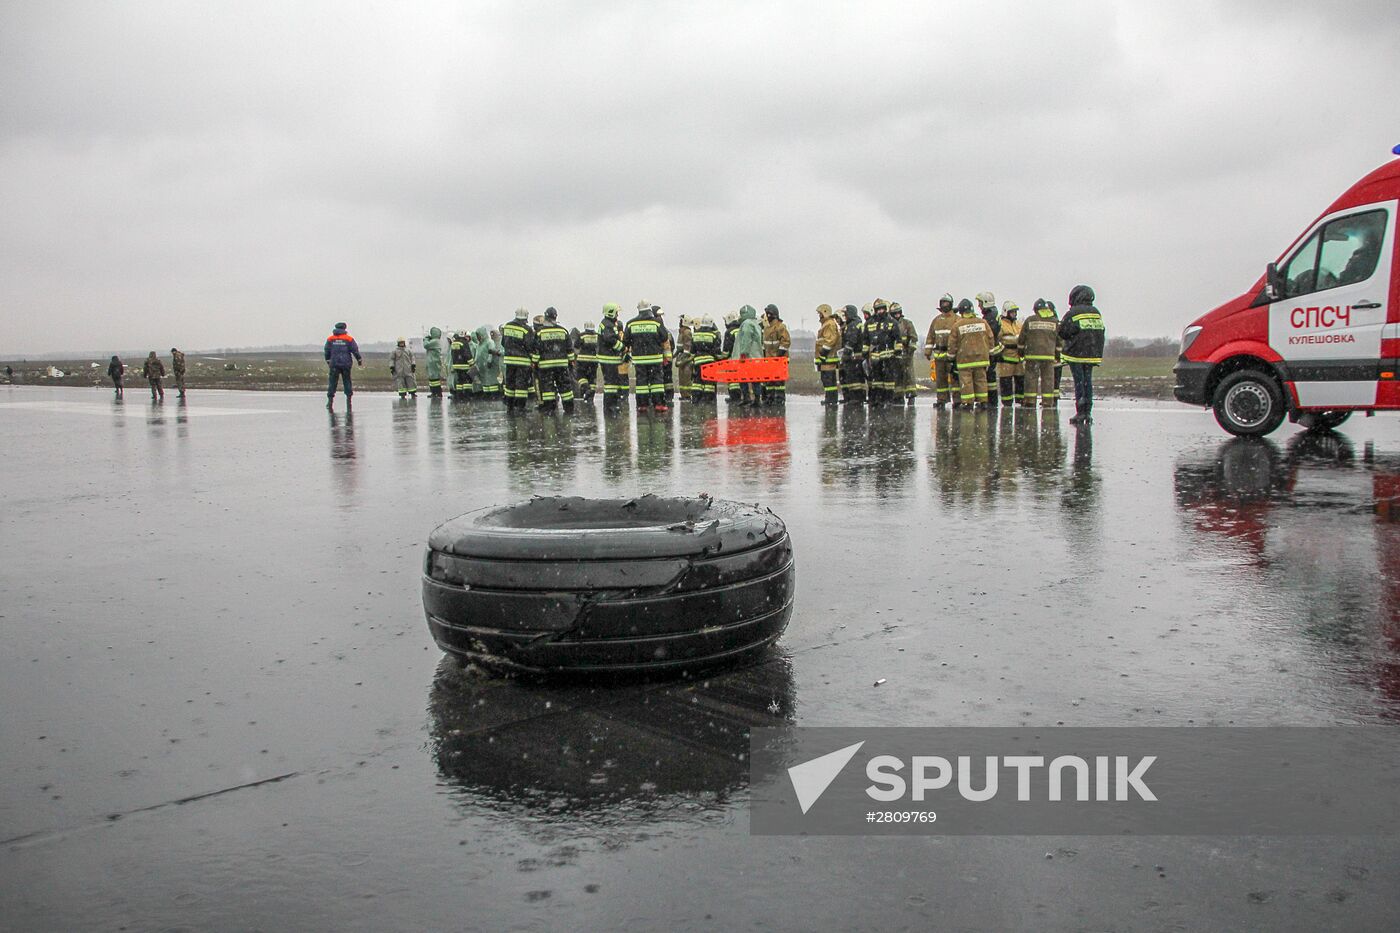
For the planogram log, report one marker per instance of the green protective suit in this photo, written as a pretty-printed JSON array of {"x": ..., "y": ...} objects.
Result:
[
  {"x": 748, "y": 339},
  {"x": 488, "y": 358},
  {"x": 432, "y": 354}
]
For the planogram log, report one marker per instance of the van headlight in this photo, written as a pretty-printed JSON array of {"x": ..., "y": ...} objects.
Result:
[{"x": 1188, "y": 337}]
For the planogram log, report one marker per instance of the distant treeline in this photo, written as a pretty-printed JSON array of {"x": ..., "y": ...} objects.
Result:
[{"x": 1127, "y": 346}]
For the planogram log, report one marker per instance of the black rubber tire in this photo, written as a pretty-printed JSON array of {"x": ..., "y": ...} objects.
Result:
[
  {"x": 573, "y": 528},
  {"x": 565, "y": 586},
  {"x": 1249, "y": 403},
  {"x": 1322, "y": 420}
]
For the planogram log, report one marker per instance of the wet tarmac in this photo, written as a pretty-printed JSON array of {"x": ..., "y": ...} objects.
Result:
[{"x": 223, "y": 709}]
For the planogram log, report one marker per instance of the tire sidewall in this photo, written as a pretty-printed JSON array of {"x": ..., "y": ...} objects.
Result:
[{"x": 1241, "y": 381}]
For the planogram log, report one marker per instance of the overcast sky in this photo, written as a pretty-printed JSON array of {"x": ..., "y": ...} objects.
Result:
[{"x": 240, "y": 173}]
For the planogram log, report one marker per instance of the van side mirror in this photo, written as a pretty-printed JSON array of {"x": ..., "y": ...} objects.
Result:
[{"x": 1273, "y": 282}]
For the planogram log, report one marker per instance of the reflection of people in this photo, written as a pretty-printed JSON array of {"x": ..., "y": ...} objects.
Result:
[{"x": 342, "y": 436}]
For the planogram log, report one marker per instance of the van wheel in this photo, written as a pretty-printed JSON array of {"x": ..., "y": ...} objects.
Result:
[
  {"x": 1322, "y": 420},
  {"x": 1249, "y": 403}
]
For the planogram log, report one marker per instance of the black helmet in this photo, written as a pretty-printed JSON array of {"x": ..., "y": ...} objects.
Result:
[
  {"x": 1081, "y": 295},
  {"x": 965, "y": 306},
  {"x": 1040, "y": 305},
  {"x": 852, "y": 313},
  {"x": 550, "y": 314}
]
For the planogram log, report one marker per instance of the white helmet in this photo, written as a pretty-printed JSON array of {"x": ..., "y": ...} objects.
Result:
[
  {"x": 643, "y": 305},
  {"x": 587, "y": 325},
  {"x": 521, "y": 314},
  {"x": 1008, "y": 306},
  {"x": 987, "y": 300},
  {"x": 707, "y": 321},
  {"x": 731, "y": 317}
]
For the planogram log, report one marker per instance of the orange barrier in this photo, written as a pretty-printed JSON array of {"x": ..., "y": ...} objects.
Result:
[{"x": 760, "y": 369}]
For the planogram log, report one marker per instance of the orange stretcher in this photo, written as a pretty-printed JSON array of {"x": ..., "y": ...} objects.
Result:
[{"x": 758, "y": 369}]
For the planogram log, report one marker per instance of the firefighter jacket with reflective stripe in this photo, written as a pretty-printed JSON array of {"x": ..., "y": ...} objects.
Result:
[
  {"x": 908, "y": 336},
  {"x": 586, "y": 347},
  {"x": 461, "y": 356},
  {"x": 881, "y": 336},
  {"x": 971, "y": 342},
  {"x": 776, "y": 339},
  {"x": 518, "y": 343},
  {"x": 704, "y": 343},
  {"x": 939, "y": 332},
  {"x": 553, "y": 348},
  {"x": 1009, "y": 337},
  {"x": 731, "y": 329},
  {"x": 828, "y": 342},
  {"x": 853, "y": 337},
  {"x": 610, "y": 342},
  {"x": 1040, "y": 336},
  {"x": 646, "y": 338},
  {"x": 1082, "y": 332}
]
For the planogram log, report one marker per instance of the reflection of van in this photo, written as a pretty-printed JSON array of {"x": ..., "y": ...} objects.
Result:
[{"x": 1317, "y": 337}]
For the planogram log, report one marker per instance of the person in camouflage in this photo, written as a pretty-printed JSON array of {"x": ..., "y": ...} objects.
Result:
[
  {"x": 177, "y": 368},
  {"x": 154, "y": 371}
]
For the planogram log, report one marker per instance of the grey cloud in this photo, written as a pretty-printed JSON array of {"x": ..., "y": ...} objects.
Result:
[{"x": 262, "y": 166}]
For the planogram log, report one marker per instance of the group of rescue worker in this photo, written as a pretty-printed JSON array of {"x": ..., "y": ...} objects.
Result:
[
  {"x": 979, "y": 355},
  {"x": 541, "y": 362}
]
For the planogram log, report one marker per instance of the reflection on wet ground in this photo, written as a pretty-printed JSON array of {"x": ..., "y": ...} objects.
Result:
[
  {"x": 614, "y": 755},
  {"x": 1310, "y": 527},
  {"x": 197, "y": 607}
]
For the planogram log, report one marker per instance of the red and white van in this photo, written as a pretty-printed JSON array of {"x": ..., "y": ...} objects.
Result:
[{"x": 1317, "y": 337}]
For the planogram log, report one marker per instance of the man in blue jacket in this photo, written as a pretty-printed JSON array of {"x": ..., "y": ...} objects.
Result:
[{"x": 341, "y": 348}]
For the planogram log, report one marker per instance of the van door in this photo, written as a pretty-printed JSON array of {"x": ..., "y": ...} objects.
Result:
[{"x": 1336, "y": 295}]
